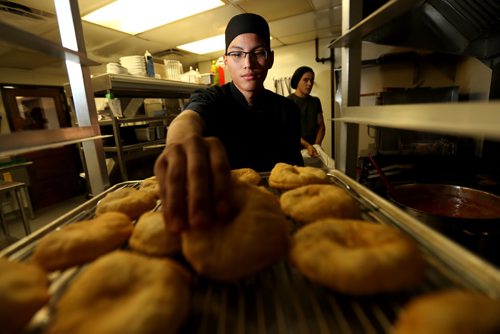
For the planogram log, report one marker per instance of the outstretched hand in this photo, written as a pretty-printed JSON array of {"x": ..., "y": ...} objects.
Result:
[{"x": 194, "y": 177}]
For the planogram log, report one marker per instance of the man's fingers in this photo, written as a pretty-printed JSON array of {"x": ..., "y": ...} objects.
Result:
[
  {"x": 194, "y": 183},
  {"x": 175, "y": 208},
  {"x": 200, "y": 206},
  {"x": 221, "y": 178}
]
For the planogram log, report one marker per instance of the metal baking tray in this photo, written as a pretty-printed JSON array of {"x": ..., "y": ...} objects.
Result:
[{"x": 279, "y": 299}]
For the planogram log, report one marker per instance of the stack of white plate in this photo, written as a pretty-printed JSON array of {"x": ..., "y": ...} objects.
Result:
[
  {"x": 136, "y": 65},
  {"x": 116, "y": 68}
]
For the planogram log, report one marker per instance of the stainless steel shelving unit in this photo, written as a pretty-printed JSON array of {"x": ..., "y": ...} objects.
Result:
[
  {"x": 18, "y": 143},
  {"x": 128, "y": 86},
  {"x": 124, "y": 152},
  {"x": 82, "y": 90},
  {"x": 478, "y": 119},
  {"x": 133, "y": 86}
]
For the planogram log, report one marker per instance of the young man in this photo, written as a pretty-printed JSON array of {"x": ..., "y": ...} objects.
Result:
[
  {"x": 240, "y": 124},
  {"x": 311, "y": 113}
]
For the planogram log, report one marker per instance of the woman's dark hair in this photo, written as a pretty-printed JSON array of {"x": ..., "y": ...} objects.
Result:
[{"x": 297, "y": 75}]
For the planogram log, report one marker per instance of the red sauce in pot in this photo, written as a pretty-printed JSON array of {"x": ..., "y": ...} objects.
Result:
[{"x": 450, "y": 201}]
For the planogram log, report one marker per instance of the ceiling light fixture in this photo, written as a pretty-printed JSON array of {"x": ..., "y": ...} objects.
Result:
[
  {"x": 207, "y": 45},
  {"x": 134, "y": 17}
]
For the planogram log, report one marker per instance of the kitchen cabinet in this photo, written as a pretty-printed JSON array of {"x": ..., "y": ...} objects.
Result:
[
  {"x": 121, "y": 142},
  {"x": 406, "y": 23}
]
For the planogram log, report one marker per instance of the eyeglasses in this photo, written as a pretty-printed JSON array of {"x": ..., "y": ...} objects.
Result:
[{"x": 237, "y": 56}]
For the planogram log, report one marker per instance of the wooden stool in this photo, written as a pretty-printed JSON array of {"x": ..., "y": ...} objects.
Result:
[{"x": 14, "y": 188}]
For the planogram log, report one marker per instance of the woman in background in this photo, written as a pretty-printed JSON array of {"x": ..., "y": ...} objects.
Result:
[{"x": 311, "y": 113}]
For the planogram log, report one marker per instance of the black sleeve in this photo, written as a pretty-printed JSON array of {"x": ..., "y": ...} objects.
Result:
[{"x": 202, "y": 100}]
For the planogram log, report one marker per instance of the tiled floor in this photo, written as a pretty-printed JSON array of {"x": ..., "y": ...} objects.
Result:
[{"x": 42, "y": 217}]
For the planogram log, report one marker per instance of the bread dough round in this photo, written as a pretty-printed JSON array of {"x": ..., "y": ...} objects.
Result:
[
  {"x": 151, "y": 236},
  {"x": 130, "y": 201},
  {"x": 257, "y": 237},
  {"x": 449, "y": 312},
  {"x": 24, "y": 289},
  {"x": 246, "y": 175},
  {"x": 285, "y": 176},
  {"x": 83, "y": 241},
  {"x": 316, "y": 201},
  {"x": 357, "y": 257},
  {"x": 125, "y": 292},
  {"x": 151, "y": 185}
]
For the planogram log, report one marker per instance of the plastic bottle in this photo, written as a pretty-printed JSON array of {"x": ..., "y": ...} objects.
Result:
[
  {"x": 150, "y": 67},
  {"x": 198, "y": 76},
  {"x": 109, "y": 95},
  {"x": 215, "y": 72},
  {"x": 191, "y": 74},
  {"x": 114, "y": 104},
  {"x": 220, "y": 70}
]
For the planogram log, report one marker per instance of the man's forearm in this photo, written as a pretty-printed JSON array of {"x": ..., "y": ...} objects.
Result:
[{"x": 184, "y": 125}]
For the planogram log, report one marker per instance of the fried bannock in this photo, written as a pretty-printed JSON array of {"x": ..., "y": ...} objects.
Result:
[
  {"x": 316, "y": 201},
  {"x": 82, "y": 241},
  {"x": 125, "y": 292},
  {"x": 285, "y": 176},
  {"x": 151, "y": 236},
  {"x": 24, "y": 289},
  {"x": 248, "y": 175},
  {"x": 130, "y": 201},
  {"x": 151, "y": 185},
  {"x": 257, "y": 237},
  {"x": 449, "y": 312},
  {"x": 357, "y": 257}
]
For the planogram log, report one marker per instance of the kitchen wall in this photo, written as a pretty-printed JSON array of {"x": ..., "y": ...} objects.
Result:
[{"x": 288, "y": 58}]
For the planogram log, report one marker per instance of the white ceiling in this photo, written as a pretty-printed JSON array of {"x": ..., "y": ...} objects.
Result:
[{"x": 290, "y": 21}]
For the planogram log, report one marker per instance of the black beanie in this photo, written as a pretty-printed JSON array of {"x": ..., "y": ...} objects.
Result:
[
  {"x": 297, "y": 75},
  {"x": 247, "y": 23}
]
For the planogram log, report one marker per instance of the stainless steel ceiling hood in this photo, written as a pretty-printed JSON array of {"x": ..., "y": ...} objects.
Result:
[{"x": 465, "y": 27}]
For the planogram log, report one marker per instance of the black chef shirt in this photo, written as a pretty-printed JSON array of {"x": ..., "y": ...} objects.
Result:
[{"x": 257, "y": 136}]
